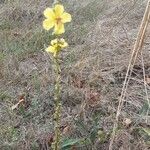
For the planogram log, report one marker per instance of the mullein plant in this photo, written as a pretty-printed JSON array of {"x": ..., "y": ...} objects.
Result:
[{"x": 56, "y": 17}]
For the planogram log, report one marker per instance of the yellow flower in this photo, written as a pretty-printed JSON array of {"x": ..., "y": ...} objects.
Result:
[
  {"x": 56, "y": 17},
  {"x": 56, "y": 46}
]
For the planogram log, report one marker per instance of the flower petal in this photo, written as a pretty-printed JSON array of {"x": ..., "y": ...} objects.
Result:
[
  {"x": 63, "y": 43},
  {"x": 62, "y": 40},
  {"x": 59, "y": 28},
  {"x": 49, "y": 13},
  {"x": 59, "y": 9},
  {"x": 55, "y": 41},
  {"x": 51, "y": 49},
  {"x": 55, "y": 53},
  {"x": 66, "y": 17},
  {"x": 48, "y": 24}
]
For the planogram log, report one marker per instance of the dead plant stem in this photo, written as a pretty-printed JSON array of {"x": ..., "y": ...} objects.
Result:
[{"x": 137, "y": 47}]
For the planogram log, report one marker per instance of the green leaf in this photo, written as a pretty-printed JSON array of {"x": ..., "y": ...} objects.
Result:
[
  {"x": 68, "y": 143},
  {"x": 93, "y": 134},
  {"x": 82, "y": 127},
  {"x": 147, "y": 131},
  {"x": 144, "y": 109},
  {"x": 102, "y": 136}
]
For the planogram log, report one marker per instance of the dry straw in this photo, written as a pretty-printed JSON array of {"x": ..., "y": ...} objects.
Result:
[{"x": 136, "y": 49}]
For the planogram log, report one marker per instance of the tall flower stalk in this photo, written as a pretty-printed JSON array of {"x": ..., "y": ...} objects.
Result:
[
  {"x": 56, "y": 17},
  {"x": 57, "y": 114}
]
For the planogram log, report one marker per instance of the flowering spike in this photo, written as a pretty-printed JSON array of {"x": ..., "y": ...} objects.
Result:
[{"x": 56, "y": 46}]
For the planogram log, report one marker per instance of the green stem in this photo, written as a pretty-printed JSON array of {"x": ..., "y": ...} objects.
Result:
[{"x": 57, "y": 114}]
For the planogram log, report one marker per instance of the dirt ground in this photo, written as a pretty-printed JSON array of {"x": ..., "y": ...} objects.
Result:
[{"x": 101, "y": 37}]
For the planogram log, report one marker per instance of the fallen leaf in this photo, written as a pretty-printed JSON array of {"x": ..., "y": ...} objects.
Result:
[
  {"x": 67, "y": 130},
  {"x": 148, "y": 80},
  {"x": 17, "y": 105},
  {"x": 127, "y": 122},
  {"x": 93, "y": 97},
  {"x": 77, "y": 81}
]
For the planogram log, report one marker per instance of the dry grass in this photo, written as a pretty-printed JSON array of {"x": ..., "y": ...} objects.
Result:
[
  {"x": 136, "y": 50},
  {"x": 101, "y": 37}
]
